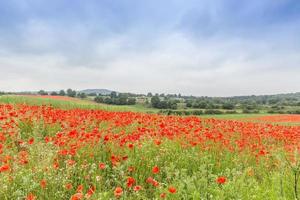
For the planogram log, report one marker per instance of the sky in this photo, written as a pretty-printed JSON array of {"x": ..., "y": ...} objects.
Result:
[{"x": 192, "y": 47}]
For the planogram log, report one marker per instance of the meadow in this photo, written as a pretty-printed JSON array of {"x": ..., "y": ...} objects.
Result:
[{"x": 52, "y": 148}]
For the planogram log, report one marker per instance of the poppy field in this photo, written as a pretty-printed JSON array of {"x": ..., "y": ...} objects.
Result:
[{"x": 56, "y": 153}]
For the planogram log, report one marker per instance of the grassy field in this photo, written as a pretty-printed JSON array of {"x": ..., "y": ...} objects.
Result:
[
  {"x": 72, "y": 103},
  {"x": 89, "y": 104},
  {"x": 69, "y": 151}
]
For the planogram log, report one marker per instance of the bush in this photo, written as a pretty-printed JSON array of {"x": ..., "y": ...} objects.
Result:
[
  {"x": 42, "y": 92},
  {"x": 213, "y": 112},
  {"x": 231, "y": 112},
  {"x": 228, "y": 106},
  {"x": 131, "y": 101},
  {"x": 246, "y": 111},
  {"x": 197, "y": 112},
  {"x": 99, "y": 99}
]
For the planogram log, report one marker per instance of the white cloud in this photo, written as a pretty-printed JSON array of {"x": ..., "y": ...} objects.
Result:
[
  {"x": 47, "y": 55},
  {"x": 175, "y": 64}
]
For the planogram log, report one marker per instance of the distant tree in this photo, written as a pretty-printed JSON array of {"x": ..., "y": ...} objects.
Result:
[
  {"x": 189, "y": 104},
  {"x": 81, "y": 95},
  {"x": 163, "y": 105},
  {"x": 108, "y": 100},
  {"x": 122, "y": 100},
  {"x": 42, "y": 92},
  {"x": 99, "y": 99},
  {"x": 92, "y": 94},
  {"x": 71, "y": 93},
  {"x": 200, "y": 104},
  {"x": 113, "y": 94},
  {"x": 62, "y": 93},
  {"x": 249, "y": 106},
  {"x": 53, "y": 94},
  {"x": 228, "y": 106},
  {"x": 172, "y": 104},
  {"x": 149, "y": 94},
  {"x": 210, "y": 105},
  {"x": 273, "y": 101},
  {"x": 155, "y": 101},
  {"x": 131, "y": 101}
]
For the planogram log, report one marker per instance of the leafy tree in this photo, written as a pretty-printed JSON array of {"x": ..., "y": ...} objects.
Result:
[
  {"x": 122, "y": 100},
  {"x": 131, "y": 101},
  {"x": 228, "y": 106},
  {"x": 99, "y": 99},
  {"x": 92, "y": 94},
  {"x": 172, "y": 105},
  {"x": 62, "y": 93},
  {"x": 189, "y": 104},
  {"x": 81, "y": 95},
  {"x": 53, "y": 94},
  {"x": 113, "y": 94},
  {"x": 108, "y": 100},
  {"x": 42, "y": 92},
  {"x": 155, "y": 101},
  {"x": 71, "y": 93}
]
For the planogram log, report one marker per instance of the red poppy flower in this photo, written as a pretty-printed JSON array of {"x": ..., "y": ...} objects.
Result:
[
  {"x": 163, "y": 195},
  {"x": 77, "y": 196},
  {"x": 31, "y": 141},
  {"x": 130, "y": 181},
  {"x": 79, "y": 189},
  {"x": 4, "y": 168},
  {"x": 155, "y": 170},
  {"x": 130, "y": 146},
  {"x": 68, "y": 186},
  {"x": 90, "y": 192},
  {"x": 172, "y": 189},
  {"x": 221, "y": 180},
  {"x": 30, "y": 196},
  {"x": 118, "y": 192},
  {"x": 43, "y": 183},
  {"x": 137, "y": 188},
  {"x": 102, "y": 166}
]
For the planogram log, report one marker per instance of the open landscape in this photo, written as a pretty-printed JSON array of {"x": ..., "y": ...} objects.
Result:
[
  {"x": 66, "y": 148},
  {"x": 150, "y": 100}
]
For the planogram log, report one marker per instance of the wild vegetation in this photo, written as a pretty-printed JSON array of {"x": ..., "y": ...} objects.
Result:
[
  {"x": 173, "y": 104},
  {"x": 56, "y": 151}
]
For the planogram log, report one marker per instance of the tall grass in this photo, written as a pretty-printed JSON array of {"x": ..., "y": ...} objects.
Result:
[{"x": 71, "y": 104}]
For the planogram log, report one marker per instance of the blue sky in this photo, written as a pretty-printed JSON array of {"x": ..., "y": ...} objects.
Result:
[{"x": 208, "y": 47}]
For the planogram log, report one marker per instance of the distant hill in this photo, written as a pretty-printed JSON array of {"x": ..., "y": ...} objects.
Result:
[{"x": 97, "y": 91}]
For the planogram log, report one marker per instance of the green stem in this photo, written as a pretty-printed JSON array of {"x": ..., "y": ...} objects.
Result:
[{"x": 296, "y": 184}]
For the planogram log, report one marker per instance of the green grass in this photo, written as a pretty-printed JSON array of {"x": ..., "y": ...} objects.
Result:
[
  {"x": 89, "y": 104},
  {"x": 192, "y": 171},
  {"x": 77, "y": 103},
  {"x": 235, "y": 116}
]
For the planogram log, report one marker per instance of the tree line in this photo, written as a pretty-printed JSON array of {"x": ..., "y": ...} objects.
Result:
[
  {"x": 116, "y": 99},
  {"x": 69, "y": 92}
]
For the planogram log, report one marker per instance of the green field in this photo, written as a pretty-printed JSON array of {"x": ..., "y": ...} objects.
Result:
[
  {"x": 75, "y": 103},
  {"x": 89, "y": 104},
  {"x": 74, "y": 150}
]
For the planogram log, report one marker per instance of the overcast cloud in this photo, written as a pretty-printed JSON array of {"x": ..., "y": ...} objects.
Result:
[{"x": 210, "y": 47}]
